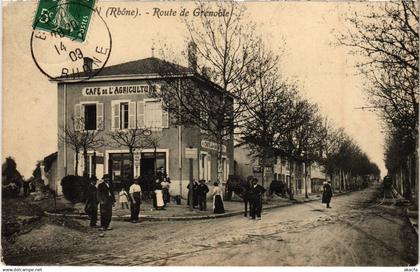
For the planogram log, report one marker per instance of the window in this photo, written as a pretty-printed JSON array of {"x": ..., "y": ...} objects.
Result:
[
  {"x": 123, "y": 114},
  {"x": 153, "y": 118},
  {"x": 150, "y": 114},
  {"x": 224, "y": 169},
  {"x": 205, "y": 166},
  {"x": 140, "y": 114},
  {"x": 88, "y": 116}
]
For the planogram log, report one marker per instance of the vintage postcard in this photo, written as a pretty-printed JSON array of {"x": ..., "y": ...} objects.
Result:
[{"x": 210, "y": 133}]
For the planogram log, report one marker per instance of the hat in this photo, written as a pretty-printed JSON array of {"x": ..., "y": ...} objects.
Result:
[{"x": 106, "y": 177}]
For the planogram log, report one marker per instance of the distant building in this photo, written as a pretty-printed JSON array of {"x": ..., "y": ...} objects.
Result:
[
  {"x": 48, "y": 168},
  {"x": 318, "y": 177},
  {"x": 285, "y": 169}
]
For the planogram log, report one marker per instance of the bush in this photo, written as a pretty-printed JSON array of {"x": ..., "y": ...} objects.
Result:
[
  {"x": 10, "y": 190},
  {"x": 74, "y": 188}
]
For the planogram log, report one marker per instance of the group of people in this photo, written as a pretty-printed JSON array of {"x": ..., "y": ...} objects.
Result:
[
  {"x": 102, "y": 195},
  {"x": 199, "y": 196}
]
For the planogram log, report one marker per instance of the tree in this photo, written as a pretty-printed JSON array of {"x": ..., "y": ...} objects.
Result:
[
  {"x": 153, "y": 141},
  {"x": 330, "y": 147},
  {"x": 266, "y": 104},
  {"x": 388, "y": 41},
  {"x": 10, "y": 174},
  {"x": 219, "y": 51},
  {"x": 80, "y": 139}
]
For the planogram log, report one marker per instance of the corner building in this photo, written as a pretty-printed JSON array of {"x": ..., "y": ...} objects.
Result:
[{"x": 118, "y": 97}]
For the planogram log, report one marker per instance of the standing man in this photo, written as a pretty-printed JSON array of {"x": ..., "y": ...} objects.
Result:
[
  {"x": 256, "y": 194},
  {"x": 135, "y": 196},
  {"x": 106, "y": 200},
  {"x": 91, "y": 207},
  {"x": 202, "y": 191},
  {"x": 246, "y": 189},
  {"x": 194, "y": 194},
  {"x": 327, "y": 194}
]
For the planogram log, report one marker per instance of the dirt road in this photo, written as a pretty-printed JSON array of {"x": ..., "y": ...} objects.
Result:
[{"x": 357, "y": 231}]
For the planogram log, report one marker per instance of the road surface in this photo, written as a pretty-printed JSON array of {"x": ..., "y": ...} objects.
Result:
[{"x": 358, "y": 230}]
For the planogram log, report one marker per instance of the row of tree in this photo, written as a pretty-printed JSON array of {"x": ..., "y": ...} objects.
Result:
[
  {"x": 263, "y": 109},
  {"x": 387, "y": 43},
  {"x": 253, "y": 102}
]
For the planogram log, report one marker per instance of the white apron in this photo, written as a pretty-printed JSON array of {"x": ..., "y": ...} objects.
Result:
[{"x": 159, "y": 198}]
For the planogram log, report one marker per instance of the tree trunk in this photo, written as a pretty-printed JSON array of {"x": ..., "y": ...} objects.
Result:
[
  {"x": 76, "y": 166},
  {"x": 132, "y": 168},
  {"x": 155, "y": 164},
  {"x": 305, "y": 179},
  {"x": 86, "y": 161},
  {"x": 94, "y": 164}
]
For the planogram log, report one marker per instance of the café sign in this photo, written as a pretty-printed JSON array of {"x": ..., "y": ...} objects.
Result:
[
  {"x": 120, "y": 90},
  {"x": 211, "y": 145}
]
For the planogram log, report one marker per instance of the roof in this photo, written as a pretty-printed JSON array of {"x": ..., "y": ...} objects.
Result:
[
  {"x": 146, "y": 66},
  {"x": 48, "y": 161}
]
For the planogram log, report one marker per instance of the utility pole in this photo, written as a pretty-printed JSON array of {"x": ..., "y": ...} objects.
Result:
[
  {"x": 190, "y": 192},
  {"x": 191, "y": 154}
]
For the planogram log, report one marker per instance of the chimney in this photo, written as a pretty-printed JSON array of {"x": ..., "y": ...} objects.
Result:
[
  {"x": 87, "y": 65},
  {"x": 192, "y": 55}
]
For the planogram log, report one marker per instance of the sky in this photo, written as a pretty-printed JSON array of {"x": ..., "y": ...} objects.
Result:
[{"x": 325, "y": 71}]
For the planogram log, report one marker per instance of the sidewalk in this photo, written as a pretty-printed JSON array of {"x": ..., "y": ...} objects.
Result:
[{"x": 182, "y": 212}]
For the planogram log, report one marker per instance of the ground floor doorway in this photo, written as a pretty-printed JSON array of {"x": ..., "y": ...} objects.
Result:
[{"x": 152, "y": 166}]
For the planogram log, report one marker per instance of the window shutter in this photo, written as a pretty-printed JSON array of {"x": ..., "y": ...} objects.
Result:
[
  {"x": 115, "y": 115},
  {"x": 201, "y": 167},
  {"x": 99, "y": 116},
  {"x": 165, "y": 117},
  {"x": 77, "y": 117},
  {"x": 132, "y": 115},
  {"x": 140, "y": 114}
]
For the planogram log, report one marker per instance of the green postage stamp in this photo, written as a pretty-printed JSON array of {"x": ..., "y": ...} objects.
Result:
[{"x": 68, "y": 18}]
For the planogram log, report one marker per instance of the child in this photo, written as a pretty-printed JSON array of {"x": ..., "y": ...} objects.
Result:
[{"x": 123, "y": 198}]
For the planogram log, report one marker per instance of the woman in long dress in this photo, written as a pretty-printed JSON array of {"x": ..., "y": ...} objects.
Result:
[{"x": 217, "y": 199}]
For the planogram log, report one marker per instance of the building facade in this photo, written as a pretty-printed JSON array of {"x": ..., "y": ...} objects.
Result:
[
  {"x": 119, "y": 98},
  {"x": 284, "y": 169}
]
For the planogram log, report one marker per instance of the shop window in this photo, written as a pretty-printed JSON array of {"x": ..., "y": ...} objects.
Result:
[
  {"x": 88, "y": 116},
  {"x": 91, "y": 160}
]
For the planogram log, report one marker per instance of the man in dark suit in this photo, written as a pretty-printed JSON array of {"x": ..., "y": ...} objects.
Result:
[
  {"x": 202, "y": 191},
  {"x": 246, "y": 189},
  {"x": 91, "y": 207},
  {"x": 106, "y": 200},
  {"x": 256, "y": 194}
]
